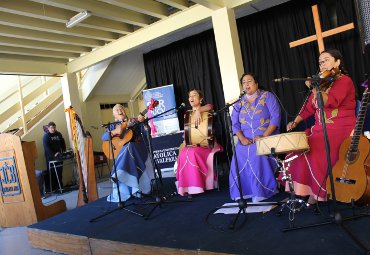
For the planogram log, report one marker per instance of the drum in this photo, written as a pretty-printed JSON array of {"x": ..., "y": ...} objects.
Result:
[
  {"x": 202, "y": 135},
  {"x": 283, "y": 143}
]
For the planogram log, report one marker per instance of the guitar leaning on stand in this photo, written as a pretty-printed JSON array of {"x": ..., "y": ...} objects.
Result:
[{"x": 351, "y": 174}]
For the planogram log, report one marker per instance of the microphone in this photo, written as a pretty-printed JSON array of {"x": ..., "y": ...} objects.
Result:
[
  {"x": 180, "y": 107},
  {"x": 243, "y": 93},
  {"x": 280, "y": 79}
]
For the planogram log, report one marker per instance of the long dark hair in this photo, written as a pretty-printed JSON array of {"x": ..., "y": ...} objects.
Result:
[
  {"x": 255, "y": 77},
  {"x": 200, "y": 93},
  {"x": 337, "y": 55}
]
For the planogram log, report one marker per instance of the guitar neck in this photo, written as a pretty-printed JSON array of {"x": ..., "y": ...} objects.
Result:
[{"x": 359, "y": 123}]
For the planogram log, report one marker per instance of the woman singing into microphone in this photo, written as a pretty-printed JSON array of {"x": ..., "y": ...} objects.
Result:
[
  {"x": 309, "y": 170},
  {"x": 195, "y": 164},
  {"x": 256, "y": 115}
]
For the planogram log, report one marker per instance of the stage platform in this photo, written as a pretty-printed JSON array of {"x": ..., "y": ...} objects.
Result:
[{"x": 181, "y": 228}]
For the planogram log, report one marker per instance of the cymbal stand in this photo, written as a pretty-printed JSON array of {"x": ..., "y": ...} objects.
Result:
[{"x": 293, "y": 204}]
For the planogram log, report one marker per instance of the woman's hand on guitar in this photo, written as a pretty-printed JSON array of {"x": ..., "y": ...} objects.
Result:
[
  {"x": 116, "y": 131},
  {"x": 141, "y": 118}
]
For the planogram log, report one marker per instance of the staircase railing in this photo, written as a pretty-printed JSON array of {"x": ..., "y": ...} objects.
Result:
[{"x": 41, "y": 99}]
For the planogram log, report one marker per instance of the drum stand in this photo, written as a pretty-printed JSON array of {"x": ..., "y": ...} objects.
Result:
[
  {"x": 336, "y": 216},
  {"x": 293, "y": 204}
]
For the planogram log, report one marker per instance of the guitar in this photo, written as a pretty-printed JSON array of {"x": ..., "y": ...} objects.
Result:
[
  {"x": 126, "y": 135},
  {"x": 350, "y": 177}
]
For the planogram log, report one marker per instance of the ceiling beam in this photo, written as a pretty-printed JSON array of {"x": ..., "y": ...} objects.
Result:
[
  {"x": 32, "y": 44},
  {"x": 54, "y": 27},
  {"x": 161, "y": 28},
  {"x": 211, "y": 4},
  {"x": 178, "y": 4},
  {"x": 10, "y": 64},
  {"x": 51, "y": 13},
  {"x": 151, "y": 8},
  {"x": 100, "y": 9},
  {"x": 48, "y": 37},
  {"x": 236, "y": 3},
  {"x": 40, "y": 53}
]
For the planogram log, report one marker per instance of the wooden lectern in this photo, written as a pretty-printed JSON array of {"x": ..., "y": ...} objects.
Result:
[{"x": 20, "y": 202}]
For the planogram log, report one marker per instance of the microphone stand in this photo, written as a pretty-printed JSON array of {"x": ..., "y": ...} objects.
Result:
[
  {"x": 121, "y": 205},
  {"x": 241, "y": 203},
  {"x": 159, "y": 200},
  {"x": 336, "y": 217}
]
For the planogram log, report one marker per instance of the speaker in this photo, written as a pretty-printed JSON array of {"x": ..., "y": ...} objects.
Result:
[{"x": 363, "y": 20}]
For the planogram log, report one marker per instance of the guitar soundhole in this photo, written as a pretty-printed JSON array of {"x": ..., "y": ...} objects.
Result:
[{"x": 352, "y": 156}]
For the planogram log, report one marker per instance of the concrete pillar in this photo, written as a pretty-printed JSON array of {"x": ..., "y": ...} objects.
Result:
[
  {"x": 71, "y": 98},
  {"x": 228, "y": 51}
]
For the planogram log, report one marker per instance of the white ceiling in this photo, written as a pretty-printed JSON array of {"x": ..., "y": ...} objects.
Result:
[
  {"x": 131, "y": 66},
  {"x": 34, "y": 30},
  {"x": 123, "y": 75}
]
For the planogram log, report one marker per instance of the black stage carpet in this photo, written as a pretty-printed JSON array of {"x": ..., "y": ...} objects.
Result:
[{"x": 184, "y": 226}]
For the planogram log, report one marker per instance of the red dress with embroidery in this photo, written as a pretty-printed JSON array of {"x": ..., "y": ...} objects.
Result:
[{"x": 309, "y": 170}]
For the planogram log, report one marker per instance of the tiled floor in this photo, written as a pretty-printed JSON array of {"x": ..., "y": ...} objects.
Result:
[{"x": 14, "y": 241}]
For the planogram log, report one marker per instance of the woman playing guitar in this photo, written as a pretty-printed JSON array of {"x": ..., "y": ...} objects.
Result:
[{"x": 131, "y": 155}]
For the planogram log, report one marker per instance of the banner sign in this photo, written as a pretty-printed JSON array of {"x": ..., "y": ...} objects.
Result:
[
  {"x": 167, "y": 123},
  {"x": 166, "y": 150}
]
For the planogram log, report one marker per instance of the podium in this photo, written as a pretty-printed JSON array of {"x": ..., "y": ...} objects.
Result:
[{"x": 20, "y": 199}]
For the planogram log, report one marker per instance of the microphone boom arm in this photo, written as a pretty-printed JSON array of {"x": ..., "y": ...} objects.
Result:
[
  {"x": 227, "y": 105},
  {"x": 314, "y": 79},
  {"x": 176, "y": 109}
]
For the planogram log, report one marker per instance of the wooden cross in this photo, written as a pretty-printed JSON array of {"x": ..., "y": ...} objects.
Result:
[{"x": 319, "y": 34}]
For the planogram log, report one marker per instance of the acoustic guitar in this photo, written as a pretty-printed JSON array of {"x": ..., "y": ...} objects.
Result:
[
  {"x": 350, "y": 173},
  {"x": 126, "y": 135}
]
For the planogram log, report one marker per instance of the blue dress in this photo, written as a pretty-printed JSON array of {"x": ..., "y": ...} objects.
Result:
[
  {"x": 134, "y": 170},
  {"x": 256, "y": 172}
]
